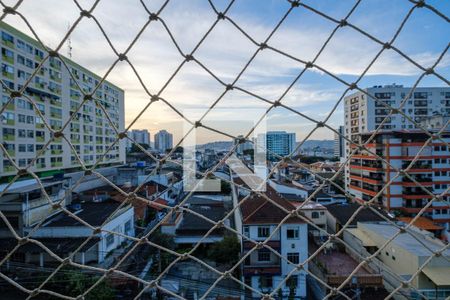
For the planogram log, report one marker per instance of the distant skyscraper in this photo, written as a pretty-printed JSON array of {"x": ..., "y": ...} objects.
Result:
[
  {"x": 140, "y": 136},
  {"x": 339, "y": 145},
  {"x": 163, "y": 140},
  {"x": 277, "y": 143},
  {"x": 55, "y": 89}
]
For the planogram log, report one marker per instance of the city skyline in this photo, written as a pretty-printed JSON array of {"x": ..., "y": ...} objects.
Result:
[{"x": 268, "y": 76}]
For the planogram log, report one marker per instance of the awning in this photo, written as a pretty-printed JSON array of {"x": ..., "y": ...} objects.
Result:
[{"x": 439, "y": 275}]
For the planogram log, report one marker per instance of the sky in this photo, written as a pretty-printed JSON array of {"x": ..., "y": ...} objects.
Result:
[{"x": 226, "y": 50}]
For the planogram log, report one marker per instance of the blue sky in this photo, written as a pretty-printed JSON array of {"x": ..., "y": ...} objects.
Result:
[{"x": 226, "y": 50}]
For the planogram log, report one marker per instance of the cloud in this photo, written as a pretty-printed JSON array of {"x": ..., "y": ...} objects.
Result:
[{"x": 225, "y": 52}]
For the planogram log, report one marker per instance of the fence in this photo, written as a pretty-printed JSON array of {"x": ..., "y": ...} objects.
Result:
[{"x": 189, "y": 57}]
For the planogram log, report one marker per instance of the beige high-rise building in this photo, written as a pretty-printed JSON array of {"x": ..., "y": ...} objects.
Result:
[{"x": 57, "y": 97}]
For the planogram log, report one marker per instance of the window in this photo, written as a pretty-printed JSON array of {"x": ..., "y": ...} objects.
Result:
[
  {"x": 7, "y": 37},
  {"x": 266, "y": 281},
  {"x": 292, "y": 233},
  {"x": 293, "y": 258},
  {"x": 246, "y": 231},
  {"x": 109, "y": 239},
  {"x": 263, "y": 231},
  {"x": 292, "y": 282},
  {"x": 7, "y": 118},
  {"x": 264, "y": 255},
  {"x": 127, "y": 228},
  {"x": 315, "y": 215}
]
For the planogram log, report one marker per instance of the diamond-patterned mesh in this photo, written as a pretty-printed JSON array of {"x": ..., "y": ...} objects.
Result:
[{"x": 118, "y": 270}]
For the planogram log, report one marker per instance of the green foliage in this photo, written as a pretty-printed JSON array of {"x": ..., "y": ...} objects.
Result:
[
  {"x": 225, "y": 187},
  {"x": 73, "y": 282},
  {"x": 135, "y": 149},
  {"x": 250, "y": 152},
  {"x": 311, "y": 159},
  {"x": 226, "y": 251}
]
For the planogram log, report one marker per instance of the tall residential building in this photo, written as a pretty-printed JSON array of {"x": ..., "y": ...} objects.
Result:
[
  {"x": 368, "y": 174},
  {"x": 363, "y": 114},
  {"x": 163, "y": 140},
  {"x": 140, "y": 136},
  {"x": 277, "y": 143},
  {"x": 339, "y": 145},
  {"x": 57, "y": 97}
]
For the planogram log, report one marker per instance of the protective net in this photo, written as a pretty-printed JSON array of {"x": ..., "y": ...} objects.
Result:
[{"x": 223, "y": 280}]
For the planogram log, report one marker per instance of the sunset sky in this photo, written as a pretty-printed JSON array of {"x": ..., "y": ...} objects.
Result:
[{"x": 226, "y": 50}]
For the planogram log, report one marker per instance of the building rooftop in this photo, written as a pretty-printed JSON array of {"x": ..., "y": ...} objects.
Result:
[
  {"x": 310, "y": 205},
  {"x": 344, "y": 211},
  {"x": 413, "y": 244},
  {"x": 93, "y": 213},
  {"x": 258, "y": 210},
  {"x": 56, "y": 245},
  {"x": 422, "y": 223},
  {"x": 25, "y": 186},
  {"x": 191, "y": 224}
]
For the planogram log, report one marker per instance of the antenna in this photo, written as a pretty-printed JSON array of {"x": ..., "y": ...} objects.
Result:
[{"x": 69, "y": 43}]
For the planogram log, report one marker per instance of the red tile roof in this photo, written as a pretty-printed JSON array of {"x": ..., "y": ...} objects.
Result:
[{"x": 258, "y": 210}]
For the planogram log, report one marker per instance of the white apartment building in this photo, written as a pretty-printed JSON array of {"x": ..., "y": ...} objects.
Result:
[
  {"x": 140, "y": 136},
  {"x": 363, "y": 114},
  {"x": 57, "y": 97},
  {"x": 163, "y": 140},
  {"x": 258, "y": 219}
]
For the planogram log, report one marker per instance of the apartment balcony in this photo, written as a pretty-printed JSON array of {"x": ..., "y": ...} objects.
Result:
[
  {"x": 9, "y": 122},
  {"x": 421, "y": 103},
  {"x": 8, "y": 59},
  {"x": 8, "y": 43},
  {"x": 421, "y": 95},
  {"x": 417, "y": 166},
  {"x": 11, "y": 153},
  {"x": 10, "y": 105},
  {"x": 40, "y": 166},
  {"x": 9, "y": 137},
  {"x": 55, "y": 102},
  {"x": 56, "y": 164},
  {"x": 56, "y": 151},
  {"x": 262, "y": 269},
  {"x": 8, "y": 169},
  {"x": 247, "y": 245},
  {"x": 8, "y": 75}
]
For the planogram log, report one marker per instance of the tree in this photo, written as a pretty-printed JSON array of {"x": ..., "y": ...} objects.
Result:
[
  {"x": 135, "y": 149},
  {"x": 225, "y": 187},
  {"x": 225, "y": 251},
  {"x": 76, "y": 283}
]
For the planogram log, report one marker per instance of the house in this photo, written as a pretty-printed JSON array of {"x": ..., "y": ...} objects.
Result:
[
  {"x": 263, "y": 270},
  {"x": 316, "y": 213},
  {"x": 339, "y": 214},
  {"x": 188, "y": 228},
  {"x": 404, "y": 255},
  {"x": 24, "y": 204},
  {"x": 289, "y": 188},
  {"x": 64, "y": 234}
]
